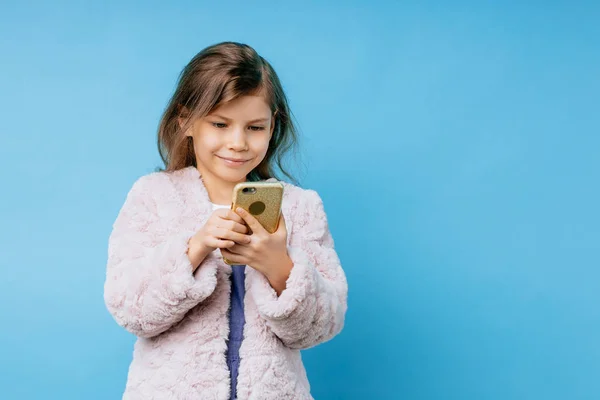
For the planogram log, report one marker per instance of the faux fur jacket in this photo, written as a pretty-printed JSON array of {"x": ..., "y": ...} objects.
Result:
[{"x": 181, "y": 319}]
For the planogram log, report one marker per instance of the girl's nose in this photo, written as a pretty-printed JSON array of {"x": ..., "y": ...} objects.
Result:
[{"x": 237, "y": 139}]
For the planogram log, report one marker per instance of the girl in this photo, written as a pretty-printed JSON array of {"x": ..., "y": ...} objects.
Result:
[{"x": 198, "y": 320}]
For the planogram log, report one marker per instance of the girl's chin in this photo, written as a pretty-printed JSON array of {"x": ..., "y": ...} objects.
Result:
[{"x": 232, "y": 175}]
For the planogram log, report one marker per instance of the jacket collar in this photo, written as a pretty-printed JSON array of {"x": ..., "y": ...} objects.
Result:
[{"x": 192, "y": 178}]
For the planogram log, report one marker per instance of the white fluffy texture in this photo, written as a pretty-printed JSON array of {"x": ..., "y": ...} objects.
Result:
[{"x": 181, "y": 319}]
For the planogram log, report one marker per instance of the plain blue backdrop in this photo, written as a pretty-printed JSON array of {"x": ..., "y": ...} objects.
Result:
[{"x": 455, "y": 145}]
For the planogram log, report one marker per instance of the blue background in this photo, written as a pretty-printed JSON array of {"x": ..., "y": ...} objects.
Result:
[{"x": 455, "y": 144}]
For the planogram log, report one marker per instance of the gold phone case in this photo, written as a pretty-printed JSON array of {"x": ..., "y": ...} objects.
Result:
[{"x": 262, "y": 200}]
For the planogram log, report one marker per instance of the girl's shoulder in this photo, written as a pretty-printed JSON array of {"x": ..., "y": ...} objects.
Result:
[
  {"x": 160, "y": 186},
  {"x": 150, "y": 182}
]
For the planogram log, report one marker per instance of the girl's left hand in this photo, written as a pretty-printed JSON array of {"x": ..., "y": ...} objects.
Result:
[{"x": 266, "y": 252}]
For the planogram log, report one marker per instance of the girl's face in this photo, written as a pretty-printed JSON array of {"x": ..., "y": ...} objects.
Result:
[{"x": 233, "y": 139}]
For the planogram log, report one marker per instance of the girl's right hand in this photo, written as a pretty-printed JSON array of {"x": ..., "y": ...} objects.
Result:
[{"x": 223, "y": 229}]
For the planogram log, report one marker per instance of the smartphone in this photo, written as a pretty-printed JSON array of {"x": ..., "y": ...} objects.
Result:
[{"x": 262, "y": 200}]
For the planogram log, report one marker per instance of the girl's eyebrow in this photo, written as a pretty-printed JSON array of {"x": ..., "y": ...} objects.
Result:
[{"x": 250, "y": 122}]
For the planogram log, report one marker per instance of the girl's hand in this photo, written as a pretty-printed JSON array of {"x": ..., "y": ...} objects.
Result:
[
  {"x": 265, "y": 252},
  {"x": 223, "y": 229}
]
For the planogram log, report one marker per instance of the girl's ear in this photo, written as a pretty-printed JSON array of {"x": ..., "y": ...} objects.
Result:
[
  {"x": 181, "y": 122},
  {"x": 182, "y": 119}
]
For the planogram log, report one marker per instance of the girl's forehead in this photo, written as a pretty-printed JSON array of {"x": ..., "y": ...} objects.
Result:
[{"x": 248, "y": 105}]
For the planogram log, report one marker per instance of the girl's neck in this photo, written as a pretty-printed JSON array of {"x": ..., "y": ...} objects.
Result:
[{"x": 219, "y": 191}]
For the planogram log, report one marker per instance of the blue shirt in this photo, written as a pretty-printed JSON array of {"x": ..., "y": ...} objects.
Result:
[
  {"x": 236, "y": 320},
  {"x": 236, "y": 323}
]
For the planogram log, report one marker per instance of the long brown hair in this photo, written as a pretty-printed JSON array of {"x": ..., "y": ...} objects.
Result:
[{"x": 216, "y": 75}]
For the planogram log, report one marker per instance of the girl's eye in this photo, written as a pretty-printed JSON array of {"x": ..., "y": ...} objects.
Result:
[{"x": 221, "y": 125}]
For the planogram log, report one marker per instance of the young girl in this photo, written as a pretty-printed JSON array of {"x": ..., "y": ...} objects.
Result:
[{"x": 208, "y": 330}]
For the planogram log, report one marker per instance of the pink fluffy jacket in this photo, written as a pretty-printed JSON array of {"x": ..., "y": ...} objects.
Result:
[{"x": 181, "y": 319}]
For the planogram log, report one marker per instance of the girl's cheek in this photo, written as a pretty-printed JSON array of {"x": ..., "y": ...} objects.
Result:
[{"x": 210, "y": 141}]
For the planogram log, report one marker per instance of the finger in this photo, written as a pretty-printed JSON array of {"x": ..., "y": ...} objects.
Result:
[
  {"x": 230, "y": 215},
  {"x": 238, "y": 249},
  {"x": 226, "y": 234},
  {"x": 220, "y": 243},
  {"x": 252, "y": 222},
  {"x": 232, "y": 257},
  {"x": 237, "y": 227},
  {"x": 281, "y": 225},
  {"x": 232, "y": 225}
]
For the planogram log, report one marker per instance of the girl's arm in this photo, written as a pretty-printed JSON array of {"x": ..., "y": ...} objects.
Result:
[
  {"x": 312, "y": 308},
  {"x": 150, "y": 284}
]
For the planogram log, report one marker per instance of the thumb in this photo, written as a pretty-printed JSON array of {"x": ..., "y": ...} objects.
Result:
[{"x": 282, "y": 225}]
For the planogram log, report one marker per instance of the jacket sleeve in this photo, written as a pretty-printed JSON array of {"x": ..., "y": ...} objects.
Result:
[
  {"x": 149, "y": 281},
  {"x": 312, "y": 308}
]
